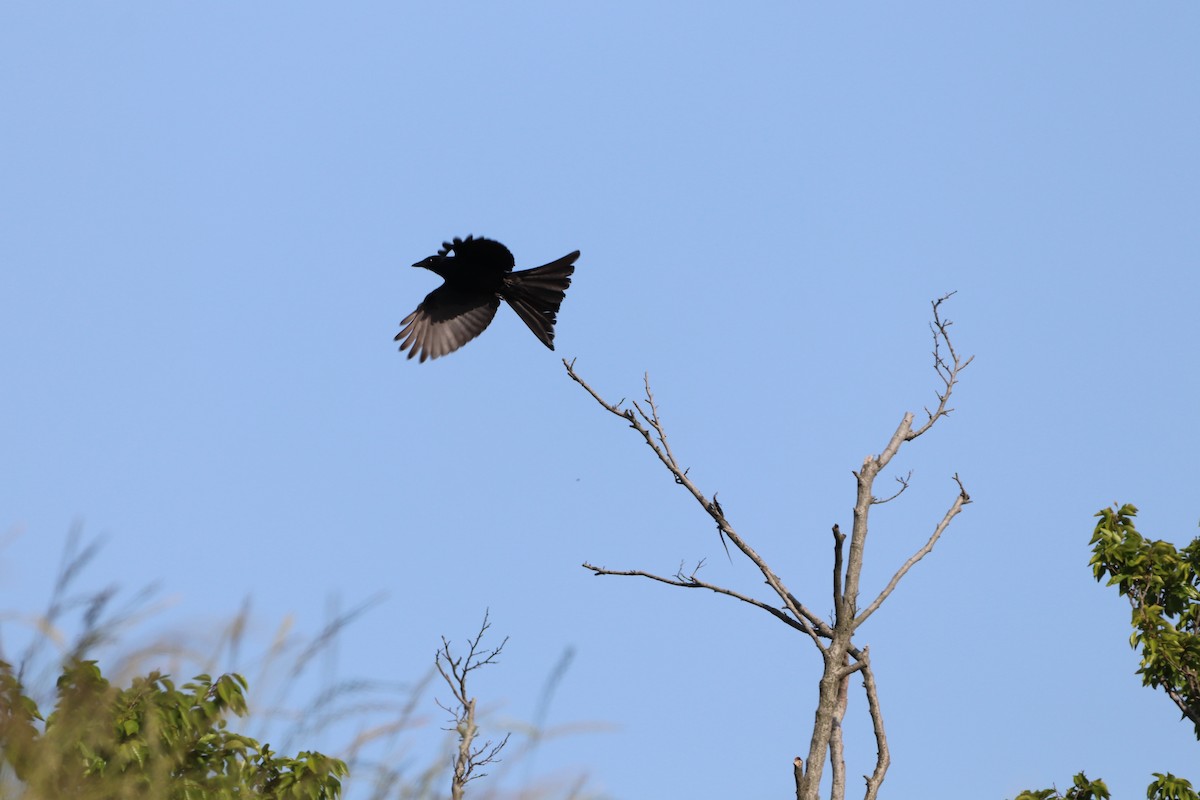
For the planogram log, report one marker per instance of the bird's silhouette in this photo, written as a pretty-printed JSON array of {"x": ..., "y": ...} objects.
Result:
[{"x": 478, "y": 274}]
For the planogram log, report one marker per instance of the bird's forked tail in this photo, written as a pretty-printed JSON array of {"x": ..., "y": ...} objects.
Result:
[{"x": 536, "y": 294}]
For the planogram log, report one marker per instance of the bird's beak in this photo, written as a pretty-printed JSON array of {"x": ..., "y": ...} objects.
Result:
[{"x": 419, "y": 264}]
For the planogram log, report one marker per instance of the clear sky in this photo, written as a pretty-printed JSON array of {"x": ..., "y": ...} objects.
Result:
[{"x": 207, "y": 213}]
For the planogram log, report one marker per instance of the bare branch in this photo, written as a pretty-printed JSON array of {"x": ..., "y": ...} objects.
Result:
[
  {"x": 864, "y": 500},
  {"x": 882, "y": 757},
  {"x": 454, "y": 671},
  {"x": 837, "y": 744},
  {"x": 833, "y": 638},
  {"x": 662, "y": 449},
  {"x": 819, "y": 625},
  {"x": 654, "y": 419},
  {"x": 948, "y": 371},
  {"x": 903, "y": 485},
  {"x": 692, "y": 582},
  {"x": 850, "y": 669},
  {"x": 717, "y": 511},
  {"x": 839, "y": 600},
  {"x": 961, "y": 500},
  {"x": 1188, "y": 711}
]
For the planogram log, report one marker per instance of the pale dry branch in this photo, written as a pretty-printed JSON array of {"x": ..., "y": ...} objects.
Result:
[
  {"x": 692, "y": 582},
  {"x": 819, "y": 625},
  {"x": 903, "y": 485},
  {"x": 848, "y": 619},
  {"x": 948, "y": 371},
  {"x": 837, "y": 744},
  {"x": 839, "y": 539},
  {"x": 654, "y": 419},
  {"x": 960, "y": 500},
  {"x": 883, "y": 757},
  {"x": 902, "y": 434},
  {"x": 655, "y": 437},
  {"x": 834, "y": 638},
  {"x": 857, "y": 666},
  {"x": 864, "y": 500},
  {"x": 824, "y": 630},
  {"x": 454, "y": 671}
]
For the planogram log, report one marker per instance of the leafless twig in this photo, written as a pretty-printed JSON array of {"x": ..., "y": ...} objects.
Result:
[
  {"x": 654, "y": 434},
  {"x": 455, "y": 671},
  {"x": 948, "y": 371},
  {"x": 903, "y": 485},
  {"x": 692, "y": 582},
  {"x": 961, "y": 500}
]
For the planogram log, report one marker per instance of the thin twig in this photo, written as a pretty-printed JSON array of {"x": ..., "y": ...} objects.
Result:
[
  {"x": 961, "y": 500},
  {"x": 948, "y": 371},
  {"x": 692, "y": 582},
  {"x": 903, "y": 485},
  {"x": 455, "y": 671},
  {"x": 663, "y": 450}
]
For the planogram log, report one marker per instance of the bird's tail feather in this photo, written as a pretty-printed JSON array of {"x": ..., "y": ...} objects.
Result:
[{"x": 536, "y": 294}]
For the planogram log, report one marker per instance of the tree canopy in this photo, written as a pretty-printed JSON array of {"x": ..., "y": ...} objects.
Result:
[
  {"x": 1162, "y": 584},
  {"x": 152, "y": 739}
]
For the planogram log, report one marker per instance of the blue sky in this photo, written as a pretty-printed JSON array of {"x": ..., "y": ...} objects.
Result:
[{"x": 207, "y": 213}]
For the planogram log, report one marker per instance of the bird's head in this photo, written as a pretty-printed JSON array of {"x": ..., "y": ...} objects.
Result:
[
  {"x": 431, "y": 263},
  {"x": 438, "y": 261}
]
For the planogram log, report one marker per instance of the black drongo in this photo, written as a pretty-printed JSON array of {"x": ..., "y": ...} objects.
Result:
[{"x": 478, "y": 274}]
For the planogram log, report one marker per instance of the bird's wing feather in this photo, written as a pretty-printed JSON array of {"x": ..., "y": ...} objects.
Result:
[{"x": 447, "y": 319}]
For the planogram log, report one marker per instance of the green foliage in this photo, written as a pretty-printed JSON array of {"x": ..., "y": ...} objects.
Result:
[
  {"x": 1163, "y": 586},
  {"x": 151, "y": 740},
  {"x": 379, "y": 723},
  {"x": 1168, "y": 787},
  {"x": 1082, "y": 789},
  {"x": 1164, "y": 787}
]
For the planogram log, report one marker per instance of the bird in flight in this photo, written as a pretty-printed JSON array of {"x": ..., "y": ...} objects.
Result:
[{"x": 477, "y": 275}]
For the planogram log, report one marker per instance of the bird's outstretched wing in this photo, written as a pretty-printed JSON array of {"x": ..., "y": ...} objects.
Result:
[{"x": 447, "y": 319}]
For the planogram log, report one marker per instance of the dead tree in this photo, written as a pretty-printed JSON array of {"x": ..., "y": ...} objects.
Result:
[{"x": 833, "y": 638}]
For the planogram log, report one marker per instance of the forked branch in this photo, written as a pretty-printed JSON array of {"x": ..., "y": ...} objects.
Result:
[
  {"x": 650, "y": 426},
  {"x": 946, "y": 362},
  {"x": 690, "y": 581},
  {"x": 454, "y": 671},
  {"x": 842, "y": 658},
  {"x": 961, "y": 500}
]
